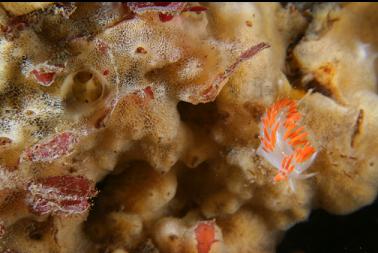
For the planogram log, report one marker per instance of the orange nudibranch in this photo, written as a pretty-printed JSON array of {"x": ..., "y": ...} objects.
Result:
[{"x": 284, "y": 142}]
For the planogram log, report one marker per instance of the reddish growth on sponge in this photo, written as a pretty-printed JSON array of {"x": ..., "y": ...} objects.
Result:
[
  {"x": 65, "y": 195},
  {"x": 284, "y": 142},
  {"x": 45, "y": 74},
  {"x": 166, "y": 10},
  {"x": 51, "y": 149}
]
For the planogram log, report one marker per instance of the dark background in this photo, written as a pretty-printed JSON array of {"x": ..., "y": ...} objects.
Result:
[{"x": 326, "y": 233}]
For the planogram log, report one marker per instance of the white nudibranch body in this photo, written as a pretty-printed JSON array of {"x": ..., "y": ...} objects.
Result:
[{"x": 284, "y": 142}]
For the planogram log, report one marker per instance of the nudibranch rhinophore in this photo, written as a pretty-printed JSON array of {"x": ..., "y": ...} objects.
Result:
[{"x": 284, "y": 142}]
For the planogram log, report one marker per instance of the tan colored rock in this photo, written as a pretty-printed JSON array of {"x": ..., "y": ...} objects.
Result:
[{"x": 23, "y": 8}]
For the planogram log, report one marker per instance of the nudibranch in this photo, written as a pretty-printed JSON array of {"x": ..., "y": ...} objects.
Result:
[{"x": 285, "y": 143}]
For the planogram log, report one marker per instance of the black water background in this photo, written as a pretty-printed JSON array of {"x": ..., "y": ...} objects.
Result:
[{"x": 326, "y": 233}]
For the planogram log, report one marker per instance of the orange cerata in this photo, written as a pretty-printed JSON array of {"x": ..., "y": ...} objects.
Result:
[{"x": 284, "y": 142}]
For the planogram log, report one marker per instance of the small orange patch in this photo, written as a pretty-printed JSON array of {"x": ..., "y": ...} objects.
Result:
[
  {"x": 328, "y": 68},
  {"x": 205, "y": 236},
  {"x": 325, "y": 75}
]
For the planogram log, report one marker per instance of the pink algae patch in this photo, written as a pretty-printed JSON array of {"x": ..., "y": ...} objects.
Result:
[
  {"x": 60, "y": 195},
  {"x": 166, "y": 10},
  {"x": 14, "y": 26},
  {"x": 205, "y": 236},
  {"x": 196, "y": 9},
  {"x": 168, "y": 17},
  {"x": 149, "y": 92},
  {"x": 143, "y": 96},
  {"x": 105, "y": 72},
  {"x": 45, "y": 74},
  {"x": 165, "y": 17},
  {"x": 58, "y": 146},
  {"x": 102, "y": 46},
  {"x": 171, "y": 7},
  {"x": 220, "y": 80},
  {"x": 46, "y": 79}
]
